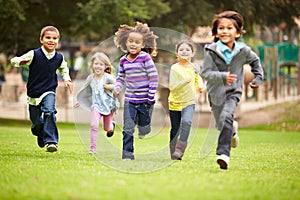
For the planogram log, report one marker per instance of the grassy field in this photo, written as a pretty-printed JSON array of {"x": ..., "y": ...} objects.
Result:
[{"x": 264, "y": 166}]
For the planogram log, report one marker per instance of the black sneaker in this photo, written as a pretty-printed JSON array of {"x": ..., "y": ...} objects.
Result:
[
  {"x": 111, "y": 132},
  {"x": 40, "y": 142}
]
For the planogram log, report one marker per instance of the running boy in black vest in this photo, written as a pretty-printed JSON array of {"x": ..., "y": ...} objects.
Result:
[{"x": 41, "y": 86}]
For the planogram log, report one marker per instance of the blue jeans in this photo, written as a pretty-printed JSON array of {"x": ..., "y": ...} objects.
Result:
[
  {"x": 181, "y": 122},
  {"x": 135, "y": 114},
  {"x": 223, "y": 115},
  {"x": 43, "y": 119}
]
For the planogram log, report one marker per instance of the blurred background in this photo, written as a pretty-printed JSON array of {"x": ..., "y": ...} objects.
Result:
[{"x": 272, "y": 31}]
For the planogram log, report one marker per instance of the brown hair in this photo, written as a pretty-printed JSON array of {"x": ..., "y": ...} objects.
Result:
[
  {"x": 186, "y": 41},
  {"x": 149, "y": 38},
  {"x": 49, "y": 28},
  {"x": 236, "y": 18}
]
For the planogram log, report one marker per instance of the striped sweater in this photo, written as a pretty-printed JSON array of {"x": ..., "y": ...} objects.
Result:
[{"x": 141, "y": 78}]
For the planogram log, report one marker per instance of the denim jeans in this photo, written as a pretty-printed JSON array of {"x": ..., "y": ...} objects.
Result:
[
  {"x": 43, "y": 119},
  {"x": 135, "y": 114},
  {"x": 181, "y": 122},
  {"x": 223, "y": 115}
]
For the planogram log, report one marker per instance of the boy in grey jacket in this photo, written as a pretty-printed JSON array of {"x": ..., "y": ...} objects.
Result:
[{"x": 223, "y": 70}]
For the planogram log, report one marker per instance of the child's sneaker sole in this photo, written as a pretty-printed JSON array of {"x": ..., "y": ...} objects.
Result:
[
  {"x": 91, "y": 152},
  {"x": 223, "y": 161},
  {"x": 51, "y": 148},
  {"x": 111, "y": 132}
]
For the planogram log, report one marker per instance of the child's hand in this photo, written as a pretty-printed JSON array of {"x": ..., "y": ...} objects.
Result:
[
  {"x": 106, "y": 86},
  {"x": 230, "y": 78},
  {"x": 23, "y": 62},
  {"x": 253, "y": 85},
  {"x": 76, "y": 105},
  {"x": 69, "y": 84},
  {"x": 188, "y": 79},
  {"x": 116, "y": 94}
]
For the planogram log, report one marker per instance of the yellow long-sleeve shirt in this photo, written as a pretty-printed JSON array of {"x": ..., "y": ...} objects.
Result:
[{"x": 182, "y": 92}]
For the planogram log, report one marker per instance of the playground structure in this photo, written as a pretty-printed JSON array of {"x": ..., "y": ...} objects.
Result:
[{"x": 281, "y": 68}]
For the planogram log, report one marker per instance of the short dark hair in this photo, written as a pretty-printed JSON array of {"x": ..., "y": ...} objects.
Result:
[
  {"x": 237, "y": 19},
  {"x": 48, "y": 28}
]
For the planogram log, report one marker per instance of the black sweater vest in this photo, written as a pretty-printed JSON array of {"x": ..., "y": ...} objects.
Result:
[{"x": 42, "y": 73}]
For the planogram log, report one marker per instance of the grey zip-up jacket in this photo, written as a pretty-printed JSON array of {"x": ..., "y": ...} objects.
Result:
[
  {"x": 84, "y": 95},
  {"x": 214, "y": 71}
]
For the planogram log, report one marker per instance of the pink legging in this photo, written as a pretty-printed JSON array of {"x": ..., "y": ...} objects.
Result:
[{"x": 95, "y": 121}]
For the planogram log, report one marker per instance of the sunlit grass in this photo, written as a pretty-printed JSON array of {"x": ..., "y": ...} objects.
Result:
[{"x": 264, "y": 166}]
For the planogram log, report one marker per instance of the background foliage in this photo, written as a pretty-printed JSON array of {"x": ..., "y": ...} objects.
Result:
[{"x": 95, "y": 20}]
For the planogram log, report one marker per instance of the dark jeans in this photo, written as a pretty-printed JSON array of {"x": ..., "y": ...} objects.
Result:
[
  {"x": 43, "y": 119},
  {"x": 223, "y": 115},
  {"x": 135, "y": 114},
  {"x": 181, "y": 122}
]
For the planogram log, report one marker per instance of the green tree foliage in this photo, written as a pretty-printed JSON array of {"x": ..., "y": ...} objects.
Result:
[
  {"x": 12, "y": 15},
  {"x": 95, "y": 20},
  {"x": 185, "y": 16},
  {"x": 21, "y": 22},
  {"x": 261, "y": 12},
  {"x": 99, "y": 19},
  {"x": 88, "y": 20}
]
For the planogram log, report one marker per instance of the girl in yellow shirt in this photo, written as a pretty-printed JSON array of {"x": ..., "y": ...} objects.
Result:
[{"x": 183, "y": 84}]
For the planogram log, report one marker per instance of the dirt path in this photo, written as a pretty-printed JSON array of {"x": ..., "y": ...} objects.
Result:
[{"x": 271, "y": 114}]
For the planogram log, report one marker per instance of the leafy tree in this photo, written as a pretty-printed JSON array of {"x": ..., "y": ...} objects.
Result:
[
  {"x": 185, "y": 16},
  {"x": 95, "y": 20},
  {"x": 264, "y": 13},
  {"x": 87, "y": 20},
  {"x": 99, "y": 19},
  {"x": 21, "y": 22},
  {"x": 12, "y": 14}
]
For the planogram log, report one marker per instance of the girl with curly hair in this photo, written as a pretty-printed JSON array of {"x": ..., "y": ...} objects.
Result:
[{"x": 138, "y": 73}]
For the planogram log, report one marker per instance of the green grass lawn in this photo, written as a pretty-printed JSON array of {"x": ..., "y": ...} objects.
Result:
[{"x": 264, "y": 166}]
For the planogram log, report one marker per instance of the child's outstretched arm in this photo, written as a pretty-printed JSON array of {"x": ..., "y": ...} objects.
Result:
[
  {"x": 199, "y": 83},
  {"x": 23, "y": 60},
  {"x": 64, "y": 71},
  {"x": 69, "y": 84},
  {"x": 256, "y": 69},
  {"x": 153, "y": 80},
  {"x": 119, "y": 81}
]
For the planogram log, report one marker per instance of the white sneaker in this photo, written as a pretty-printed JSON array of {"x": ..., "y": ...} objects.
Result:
[
  {"x": 223, "y": 161},
  {"x": 91, "y": 152},
  {"x": 51, "y": 148},
  {"x": 126, "y": 159},
  {"x": 235, "y": 139}
]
